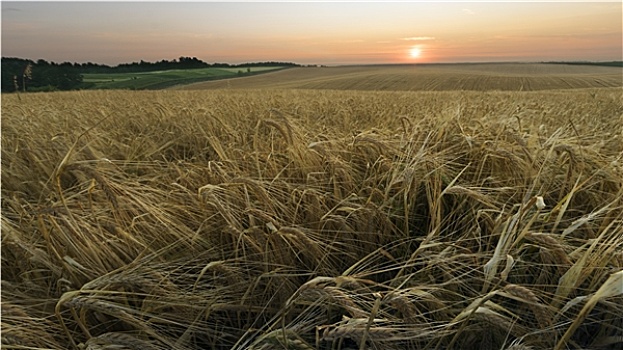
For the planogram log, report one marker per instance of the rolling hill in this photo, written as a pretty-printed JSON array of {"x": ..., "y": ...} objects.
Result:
[{"x": 437, "y": 77}]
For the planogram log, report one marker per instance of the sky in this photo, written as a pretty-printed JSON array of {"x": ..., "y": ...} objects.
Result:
[{"x": 329, "y": 33}]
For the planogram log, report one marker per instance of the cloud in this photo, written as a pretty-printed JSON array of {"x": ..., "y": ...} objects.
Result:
[
  {"x": 419, "y": 38},
  {"x": 469, "y": 12},
  {"x": 349, "y": 41}
]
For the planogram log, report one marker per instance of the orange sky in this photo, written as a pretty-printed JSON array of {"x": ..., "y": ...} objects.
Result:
[{"x": 313, "y": 32}]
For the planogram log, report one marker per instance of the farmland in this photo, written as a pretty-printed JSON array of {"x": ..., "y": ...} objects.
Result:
[
  {"x": 434, "y": 77},
  {"x": 317, "y": 215},
  {"x": 167, "y": 78}
]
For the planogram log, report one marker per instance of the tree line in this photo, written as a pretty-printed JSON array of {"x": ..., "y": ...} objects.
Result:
[
  {"x": 20, "y": 74},
  {"x": 26, "y": 75},
  {"x": 589, "y": 63}
]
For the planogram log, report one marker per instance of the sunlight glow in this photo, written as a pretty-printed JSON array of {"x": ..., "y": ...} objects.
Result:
[{"x": 415, "y": 52}]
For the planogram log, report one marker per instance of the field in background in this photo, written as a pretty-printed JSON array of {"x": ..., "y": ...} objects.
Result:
[
  {"x": 438, "y": 77},
  {"x": 167, "y": 78},
  {"x": 294, "y": 219}
]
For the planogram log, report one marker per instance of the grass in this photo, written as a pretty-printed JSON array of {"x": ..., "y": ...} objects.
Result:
[
  {"x": 293, "y": 219},
  {"x": 167, "y": 78}
]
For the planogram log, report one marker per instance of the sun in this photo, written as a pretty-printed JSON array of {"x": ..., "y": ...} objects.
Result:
[{"x": 415, "y": 52}]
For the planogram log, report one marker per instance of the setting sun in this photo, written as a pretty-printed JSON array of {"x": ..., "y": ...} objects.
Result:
[
  {"x": 415, "y": 52},
  {"x": 302, "y": 32}
]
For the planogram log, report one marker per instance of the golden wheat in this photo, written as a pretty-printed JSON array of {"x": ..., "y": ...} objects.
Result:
[{"x": 299, "y": 219}]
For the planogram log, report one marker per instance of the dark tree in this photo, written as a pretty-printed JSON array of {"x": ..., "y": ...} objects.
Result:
[{"x": 25, "y": 75}]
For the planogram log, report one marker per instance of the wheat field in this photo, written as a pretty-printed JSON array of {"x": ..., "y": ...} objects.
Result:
[
  {"x": 433, "y": 77},
  {"x": 312, "y": 219}
]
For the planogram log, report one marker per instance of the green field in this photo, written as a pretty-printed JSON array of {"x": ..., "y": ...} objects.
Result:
[{"x": 167, "y": 78}]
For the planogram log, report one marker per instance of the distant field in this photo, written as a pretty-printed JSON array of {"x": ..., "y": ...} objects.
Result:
[
  {"x": 479, "y": 77},
  {"x": 167, "y": 78}
]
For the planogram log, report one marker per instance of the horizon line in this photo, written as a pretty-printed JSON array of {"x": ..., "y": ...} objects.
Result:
[{"x": 334, "y": 64}]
